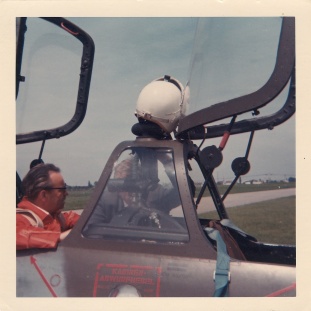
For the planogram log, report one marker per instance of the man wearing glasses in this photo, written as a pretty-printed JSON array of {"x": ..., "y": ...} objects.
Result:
[{"x": 39, "y": 220}]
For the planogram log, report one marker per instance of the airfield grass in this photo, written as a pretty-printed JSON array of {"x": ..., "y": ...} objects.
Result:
[
  {"x": 271, "y": 221},
  {"x": 78, "y": 198}
]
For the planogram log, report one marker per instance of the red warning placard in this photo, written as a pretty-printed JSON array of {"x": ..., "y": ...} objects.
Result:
[{"x": 145, "y": 278}]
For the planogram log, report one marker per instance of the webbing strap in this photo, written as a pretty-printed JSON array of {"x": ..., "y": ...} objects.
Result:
[
  {"x": 222, "y": 273},
  {"x": 31, "y": 216},
  {"x": 228, "y": 223}
]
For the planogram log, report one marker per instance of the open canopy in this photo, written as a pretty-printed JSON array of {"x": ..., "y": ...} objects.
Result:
[
  {"x": 57, "y": 44},
  {"x": 240, "y": 65}
]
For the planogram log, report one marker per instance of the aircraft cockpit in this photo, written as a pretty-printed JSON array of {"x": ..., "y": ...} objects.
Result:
[{"x": 138, "y": 198}]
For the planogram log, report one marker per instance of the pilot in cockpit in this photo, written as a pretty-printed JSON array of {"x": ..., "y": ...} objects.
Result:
[
  {"x": 129, "y": 188},
  {"x": 147, "y": 179}
]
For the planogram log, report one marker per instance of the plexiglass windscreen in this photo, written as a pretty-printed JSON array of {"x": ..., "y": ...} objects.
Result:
[
  {"x": 138, "y": 200},
  {"x": 51, "y": 67},
  {"x": 231, "y": 57}
]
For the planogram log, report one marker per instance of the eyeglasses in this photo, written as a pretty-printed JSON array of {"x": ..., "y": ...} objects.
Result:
[{"x": 56, "y": 188}]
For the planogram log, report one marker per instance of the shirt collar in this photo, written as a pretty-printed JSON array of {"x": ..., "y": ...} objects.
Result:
[{"x": 45, "y": 216}]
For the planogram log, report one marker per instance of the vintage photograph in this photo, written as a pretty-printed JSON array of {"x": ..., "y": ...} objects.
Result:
[{"x": 155, "y": 157}]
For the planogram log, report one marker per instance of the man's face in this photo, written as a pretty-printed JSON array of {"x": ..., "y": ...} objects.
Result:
[
  {"x": 55, "y": 198},
  {"x": 122, "y": 171}
]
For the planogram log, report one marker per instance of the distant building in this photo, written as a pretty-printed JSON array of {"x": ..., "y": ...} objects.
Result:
[
  {"x": 257, "y": 182},
  {"x": 253, "y": 182}
]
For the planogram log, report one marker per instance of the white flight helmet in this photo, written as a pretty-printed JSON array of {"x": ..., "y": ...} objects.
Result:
[{"x": 163, "y": 102}]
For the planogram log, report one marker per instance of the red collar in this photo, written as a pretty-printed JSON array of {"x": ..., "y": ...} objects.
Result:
[{"x": 43, "y": 215}]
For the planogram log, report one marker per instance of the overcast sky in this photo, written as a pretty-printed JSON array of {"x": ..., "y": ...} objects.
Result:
[{"x": 129, "y": 53}]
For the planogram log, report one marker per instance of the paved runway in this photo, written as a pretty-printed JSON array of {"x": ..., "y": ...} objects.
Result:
[{"x": 238, "y": 199}]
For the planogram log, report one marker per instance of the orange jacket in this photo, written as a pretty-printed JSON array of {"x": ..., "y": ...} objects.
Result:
[{"x": 30, "y": 236}]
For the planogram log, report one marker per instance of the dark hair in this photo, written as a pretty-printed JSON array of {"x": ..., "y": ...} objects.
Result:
[{"x": 37, "y": 179}]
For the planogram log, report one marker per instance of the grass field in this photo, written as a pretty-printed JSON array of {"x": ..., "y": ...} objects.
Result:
[
  {"x": 271, "y": 221},
  {"x": 77, "y": 199}
]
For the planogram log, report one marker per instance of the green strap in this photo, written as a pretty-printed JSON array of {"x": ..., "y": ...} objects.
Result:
[{"x": 222, "y": 274}]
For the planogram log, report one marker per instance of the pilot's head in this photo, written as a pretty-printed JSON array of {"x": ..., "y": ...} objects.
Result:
[
  {"x": 123, "y": 169},
  {"x": 163, "y": 101}
]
